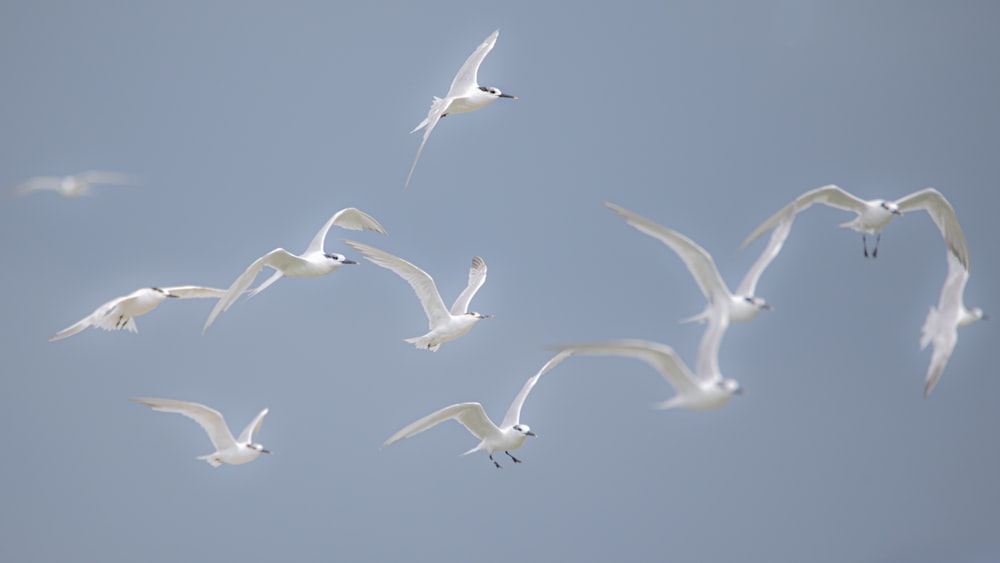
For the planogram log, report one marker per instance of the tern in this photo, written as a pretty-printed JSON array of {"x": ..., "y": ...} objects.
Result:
[
  {"x": 510, "y": 435},
  {"x": 941, "y": 325},
  {"x": 444, "y": 325},
  {"x": 705, "y": 390},
  {"x": 874, "y": 214},
  {"x": 743, "y": 305},
  {"x": 77, "y": 185},
  {"x": 230, "y": 450},
  {"x": 312, "y": 263},
  {"x": 464, "y": 95},
  {"x": 120, "y": 312}
]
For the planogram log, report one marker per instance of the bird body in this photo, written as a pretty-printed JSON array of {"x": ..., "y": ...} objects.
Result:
[
  {"x": 312, "y": 263},
  {"x": 510, "y": 435},
  {"x": 120, "y": 312},
  {"x": 465, "y": 95},
  {"x": 74, "y": 186},
  {"x": 234, "y": 451},
  {"x": 445, "y": 325},
  {"x": 873, "y": 215}
]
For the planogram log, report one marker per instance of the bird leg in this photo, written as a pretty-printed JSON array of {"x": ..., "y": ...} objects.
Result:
[
  {"x": 512, "y": 457},
  {"x": 878, "y": 238},
  {"x": 864, "y": 242},
  {"x": 495, "y": 462}
]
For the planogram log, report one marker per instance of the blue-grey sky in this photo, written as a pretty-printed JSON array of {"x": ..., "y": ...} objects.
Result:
[{"x": 253, "y": 122}]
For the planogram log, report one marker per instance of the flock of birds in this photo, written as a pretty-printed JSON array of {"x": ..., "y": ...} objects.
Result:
[{"x": 705, "y": 388}]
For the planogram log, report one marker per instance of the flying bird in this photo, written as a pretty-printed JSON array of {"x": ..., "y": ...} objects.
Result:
[
  {"x": 941, "y": 325},
  {"x": 510, "y": 435},
  {"x": 120, "y": 312},
  {"x": 874, "y": 214},
  {"x": 312, "y": 263},
  {"x": 230, "y": 450},
  {"x": 703, "y": 390},
  {"x": 464, "y": 95},
  {"x": 75, "y": 186},
  {"x": 743, "y": 305},
  {"x": 445, "y": 325}
]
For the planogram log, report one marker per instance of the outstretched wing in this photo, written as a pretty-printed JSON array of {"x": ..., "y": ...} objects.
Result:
[
  {"x": 830, "y": 195},
  {"x": 421, "y": 282},
  {"x": 707, "y": 366},
  {"x": 698, "y": 261},
  {"x": 97, "y": 318},
  {"x": 468, "y": 76},
  {"x": 194, "y": 291},
  {"x": 438, "y": 108},
  {"x": 944, "y": 217},
  {"x": 253, "y": 428},
  {"x": 660, "y": 356},
  {"x": 749, "y": 284},
  {"x": 108, "y": 178},
  {"x": 513, "y": 415},
  {"x": 470, "y": 415},
  {"x": 349, "y": 218},
  {"x": 278, "y": 259},
  {"x": 209, "y": 419},
  {"x": 477, "y": 277},
  {"x": 38, "y": 183}
]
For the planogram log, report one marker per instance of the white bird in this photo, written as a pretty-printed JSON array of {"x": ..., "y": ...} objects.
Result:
[
  {"x": 464, "y": 95},
  {"x": 312, "y": 263},
  {"x": 74, "y": 186},
  {"x": 874, "y": 214},
  {"x": 706, "y": 389},
  {"x": 120, "y": 312},
  {"x": 743, "y": 305},
  {"x": 444, "y": 325},
  {"x": 510, "y": 435},
  {"x": 941, "y": 325},
  {"x": 230, "y": 450}
]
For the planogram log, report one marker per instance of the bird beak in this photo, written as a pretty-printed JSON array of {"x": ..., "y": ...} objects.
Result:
[
  {"x": 263, "y": 451},
  {"x": 350, "y": 262},
  {"x": 740, "y": 391},
  {"x": 530, "y": 433},
  {"x": 485, "y": 316},
  {"x": 897, "y": 212},
  {"x": 508, "y": 96},
  {"x": 769, "y": 307},
  {"x": 172, "y": 295}
]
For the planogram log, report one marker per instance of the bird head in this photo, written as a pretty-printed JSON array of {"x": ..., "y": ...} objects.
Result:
[
  {"x": 339, "y": 258},
  {"x": 758, "y": 302},
  {"x": 479, "y": 315},
  {"x": 164, "y": 292},
  {"x": 523, "y": 429},
  {"x": 259, "y": 448},
  {"x": 891, "y": 207},
  {"x": 496, "y": 92},
  {"x": 731, "y": 386}
]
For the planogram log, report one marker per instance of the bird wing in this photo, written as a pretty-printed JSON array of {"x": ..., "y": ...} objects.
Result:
[
  {"x": 193, "y": 291},
  {"x": 477, "y": 277},
  {"x": 513, "y": 416},
  {"x": 104, "y": 177},
  {"x": 438, "y": 108},
  {"x": 944, "y": 217},
  {"x": 944, "y": 345},
  {"x": 279, "y": 258},
  {"x": 349, "y": 218},
  {"x": 246, "y": 437},
  {"x": 209, "y": 419},
  {"x": 707, "y": 366},
  {"x": 470, "y": 415},
  {"x": 421, "y": 282},
  {"x": 830, "y": 195},
  {"x": 698, "y": 262},
  {"x": 749, "y": 284},
  {"x": 468, "y": 76},
  {"x": 38, "y": 183},
  {"x": 660, "y": 356}
]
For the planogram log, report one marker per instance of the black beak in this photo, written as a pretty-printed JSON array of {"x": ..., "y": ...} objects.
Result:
[
  {"x": 508, "y": 96},
  {"x": 172, "y": 295},
  {"x": 349, "y": 262},
  {"x": 263, "y": 451},
  {"x": 530, "y": 433}
]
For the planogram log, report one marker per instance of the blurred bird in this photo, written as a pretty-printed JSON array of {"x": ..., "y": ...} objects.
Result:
[
  {"x": 119, "y": 313},
  {"x": 464, "y": 95},
  {"x": 230, "y": 450},
  {"x": 75, "y": 186},
  {"x": 744, "y": 305},
  {"x": 444, "y": 325},
  {"x": 312, "y": 263},
  {"x": 941, "y": 325},
  {"x": 510, "y": 435},
  {"x": 874, "y": 214}
]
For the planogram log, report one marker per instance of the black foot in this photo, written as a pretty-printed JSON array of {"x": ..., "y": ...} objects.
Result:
[
  {"x": 495, "y": 462},
  {"x": 512, "y": 457}
]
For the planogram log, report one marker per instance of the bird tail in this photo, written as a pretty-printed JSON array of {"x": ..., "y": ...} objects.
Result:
[
  {"x": 928, "y": 330},
  {"x": 423, "y": 342},
  {"x": 435, "y": 102},
  {"x": 700, "y": 318},
  {"x": 211, "y": 459}
]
